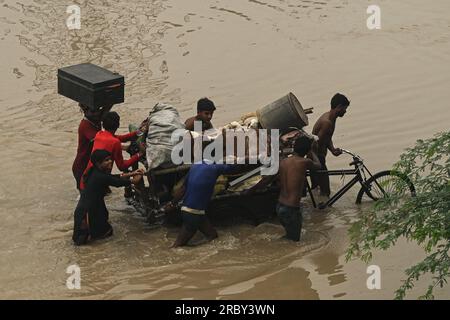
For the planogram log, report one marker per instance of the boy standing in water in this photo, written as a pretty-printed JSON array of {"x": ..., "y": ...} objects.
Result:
[
  {"x": 324, "y": 129},
  {"x": 291, "y": 177},
  {"x": 91, "y": 216}
]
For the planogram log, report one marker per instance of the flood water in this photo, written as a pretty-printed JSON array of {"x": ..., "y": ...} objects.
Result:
[{"x": 243, "y": 55}]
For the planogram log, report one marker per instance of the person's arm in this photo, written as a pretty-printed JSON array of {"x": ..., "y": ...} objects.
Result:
[
  {"x": 116, "y": 180},
  {"x": 138, "y": 172},
  {"x": 325, "y": 138},
  {"x": 312, "y": 155},
  {"x": 133, "y": 135},
  {"x": 118, "y": 157},
  {"x": 123, "y": 180},
  {"x": 314, "y": 161},
  {"x": 263, "y": 183},
  {"x": 178, "y": 195},
  {"x": 189, "y": 124},
  {"x": 128, "y": 136},
  {"x": 335, "y": 151},
  {"x": 88, "y": 131}
]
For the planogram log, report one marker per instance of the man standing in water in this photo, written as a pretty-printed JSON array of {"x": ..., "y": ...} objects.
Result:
[
  {"x": 324, "y": 129},
  {"x": 197, "y": 192},
  {"x": 292, "y": 176},
  {"x": 205, "y": 111}
]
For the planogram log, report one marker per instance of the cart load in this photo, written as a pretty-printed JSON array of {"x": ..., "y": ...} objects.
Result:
[{"x": 166, "y": 133}]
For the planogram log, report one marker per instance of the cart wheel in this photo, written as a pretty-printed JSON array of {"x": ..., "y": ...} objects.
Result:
[{"x": 385, "y": 183}]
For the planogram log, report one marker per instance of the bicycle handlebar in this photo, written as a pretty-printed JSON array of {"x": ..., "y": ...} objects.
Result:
[
  {"x": 349, "y": 152},
  {"x": 355, "y": 156}
]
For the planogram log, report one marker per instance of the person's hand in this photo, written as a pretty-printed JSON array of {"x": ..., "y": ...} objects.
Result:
[
  {"x": 144, "y": 126},
  {"x": 125, "y": 146},
  {"x": 142, "y": 148},
  {"x": 136, "y": 179},
  {"x": 126, "y": 174},
  {"x": 336, "y": 152},
  {"x": 169, "y": 207},
  {"x": 138, "y": 172}
]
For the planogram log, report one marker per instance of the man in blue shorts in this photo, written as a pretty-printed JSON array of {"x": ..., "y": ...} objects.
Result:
[{"x": 196, "y": 192}]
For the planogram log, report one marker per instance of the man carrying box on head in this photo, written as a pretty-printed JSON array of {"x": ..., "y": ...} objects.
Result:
[{"x": 88, "y": 128}]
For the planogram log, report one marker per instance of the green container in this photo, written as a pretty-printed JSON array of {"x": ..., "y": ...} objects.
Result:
[{"x": 282, "y": 114}]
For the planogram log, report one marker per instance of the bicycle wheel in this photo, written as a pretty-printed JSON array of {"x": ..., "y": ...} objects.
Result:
[{"x": 386, "y": 183}]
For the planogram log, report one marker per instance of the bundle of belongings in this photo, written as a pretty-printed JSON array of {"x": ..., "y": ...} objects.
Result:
[{"x": 163, "y": 120}]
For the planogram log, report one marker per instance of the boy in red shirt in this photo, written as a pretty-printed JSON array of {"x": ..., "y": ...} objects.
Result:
[{"x": 109, "y": 141}]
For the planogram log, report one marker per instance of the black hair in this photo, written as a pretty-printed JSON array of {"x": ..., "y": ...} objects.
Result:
[
  {"x": 204, "y": 104},
  {"x": 302, "y": 145},
  {"x": 339, "y": 99},
  {"x": 111, "y": 121},
  {"x": 97, "y": 156}
]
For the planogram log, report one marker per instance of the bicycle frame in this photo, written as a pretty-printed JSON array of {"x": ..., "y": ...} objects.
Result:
[
  {"x": 357, "y": 178},
  {"x": 359, "y": 173}
]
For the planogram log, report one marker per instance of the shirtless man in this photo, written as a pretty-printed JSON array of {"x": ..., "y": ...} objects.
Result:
[
  {"x": 205, "y": 111},
  {"x": 292, "y": 176},
  {"x": 324, "y": 129}
]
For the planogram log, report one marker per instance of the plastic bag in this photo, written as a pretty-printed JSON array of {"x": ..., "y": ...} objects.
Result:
[{"x": 163, "y": 120}]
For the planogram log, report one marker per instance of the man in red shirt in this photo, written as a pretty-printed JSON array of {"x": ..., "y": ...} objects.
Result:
[
  {"x": 87, "y": 130},
  {"x": 109, "y": 141}
]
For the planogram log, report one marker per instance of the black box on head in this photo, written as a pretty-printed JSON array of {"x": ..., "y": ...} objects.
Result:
[{"x": 91, "y": 85}]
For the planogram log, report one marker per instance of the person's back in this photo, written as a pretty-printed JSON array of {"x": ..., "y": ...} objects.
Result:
[
  {"x": 200, "y": 184},
  {"x": 104, "y": 140},
  {"x": 292, "y": 175},
  {"x": 198, "y": 189},
  {"x": 323, "y": 122}
]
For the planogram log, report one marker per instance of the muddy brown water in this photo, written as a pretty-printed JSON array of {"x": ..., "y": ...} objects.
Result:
[{"x": 242, "y": 54}]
